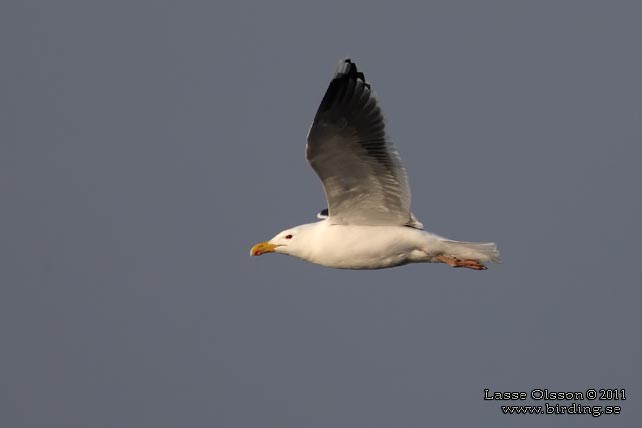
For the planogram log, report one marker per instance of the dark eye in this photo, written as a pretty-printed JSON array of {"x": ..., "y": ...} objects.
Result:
[{"x": 288, "y": 237}]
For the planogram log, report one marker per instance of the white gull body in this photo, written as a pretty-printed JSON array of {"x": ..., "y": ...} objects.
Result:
[
  {"x": 373, "y": 247},
  {"x": 368, "y": 223}
]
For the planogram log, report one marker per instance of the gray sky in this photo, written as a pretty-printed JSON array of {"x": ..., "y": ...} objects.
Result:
[{"x": 145, "y": 146}]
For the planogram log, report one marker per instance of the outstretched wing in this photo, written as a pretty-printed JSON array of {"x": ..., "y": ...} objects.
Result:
[{"x": 363, "y": 177}]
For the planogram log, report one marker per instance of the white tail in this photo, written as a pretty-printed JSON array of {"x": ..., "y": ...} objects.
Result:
[{"x": 482, "y": 251}]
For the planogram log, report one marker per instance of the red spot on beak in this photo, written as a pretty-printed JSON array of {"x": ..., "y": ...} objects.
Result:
[{"x": 262, "y": 248}]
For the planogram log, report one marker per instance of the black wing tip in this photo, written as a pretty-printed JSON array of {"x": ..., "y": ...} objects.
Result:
[
  {"x": 348, "y": 70},
  {"x": 323, "y": 214},
  {"x": 346, "y": 73}
]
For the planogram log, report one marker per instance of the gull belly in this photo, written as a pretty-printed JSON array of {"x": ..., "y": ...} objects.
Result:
[{"x": 368, "y": 247}]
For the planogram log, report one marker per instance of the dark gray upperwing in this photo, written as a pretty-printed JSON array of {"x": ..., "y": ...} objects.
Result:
[{"x": 362, "y": 175}]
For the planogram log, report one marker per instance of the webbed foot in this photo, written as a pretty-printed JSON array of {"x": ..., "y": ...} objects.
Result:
[{"x": 456, "y": 262}]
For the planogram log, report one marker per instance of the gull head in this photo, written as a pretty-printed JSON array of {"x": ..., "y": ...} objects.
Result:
[{"x": 285, "y": 242}]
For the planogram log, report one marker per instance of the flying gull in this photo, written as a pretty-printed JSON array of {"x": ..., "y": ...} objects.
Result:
[{"x": 368, "y": 223}]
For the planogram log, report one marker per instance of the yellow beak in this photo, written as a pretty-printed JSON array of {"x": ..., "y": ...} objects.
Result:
[{"x": 262, "y": 248}]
